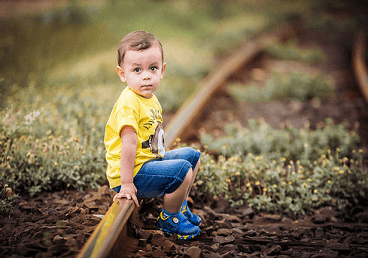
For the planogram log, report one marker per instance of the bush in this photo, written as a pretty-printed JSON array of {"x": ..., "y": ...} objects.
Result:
[
  {"x": 280, "y": 186},
  {"x": 305, "y": 145},
  {"x": 295, "y": 86},
  {"x": 290, "y": 51},
  {"x": 7, "y": 199},
  {"x": 30, "y": 164}
]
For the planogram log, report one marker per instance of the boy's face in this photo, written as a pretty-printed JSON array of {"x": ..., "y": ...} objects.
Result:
[{"x": 142, "y": 70}]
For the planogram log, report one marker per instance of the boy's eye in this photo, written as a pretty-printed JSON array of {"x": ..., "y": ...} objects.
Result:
[
  {"x": 154, "y": 68},
  {"x": 137, "y": 70}
]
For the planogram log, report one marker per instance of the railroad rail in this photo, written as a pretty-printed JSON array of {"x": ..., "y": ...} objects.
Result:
[
  {"x": 106, "y": 240},
  {"x": 109, "y": 230},
  {"x": 359, "y": 62}
]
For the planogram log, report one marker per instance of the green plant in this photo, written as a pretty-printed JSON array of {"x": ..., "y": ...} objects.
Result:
[
  {"x": 305, "y": 144},
  {"x": 294, "y": 86},
  {"x": 290, "y": 51},
  {"x": 31, "y": 164},
  {"x": 278, "y": 185},
  {"x": 7, "y": 198}
]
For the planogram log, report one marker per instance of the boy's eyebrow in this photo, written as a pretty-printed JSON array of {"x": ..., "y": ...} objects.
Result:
[{"x": 137, "y": 64}]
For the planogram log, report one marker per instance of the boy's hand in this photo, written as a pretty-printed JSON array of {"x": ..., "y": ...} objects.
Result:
[{"x": 128, "y": 191}]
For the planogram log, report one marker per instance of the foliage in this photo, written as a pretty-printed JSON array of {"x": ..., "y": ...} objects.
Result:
[
  {"x": 305, "y": 145},
  {"x": 290, "y": 51},
  {"x": 294, "y": 86},
  {"x": 277, "y": 185},
  {"x": 31, "y": 164},
  {"x": 7, "y": 199}
]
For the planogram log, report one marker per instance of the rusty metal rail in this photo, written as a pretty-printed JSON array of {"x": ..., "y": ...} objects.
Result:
[
  {"x": 102, "y": 242},
  {"x": 359, "y": 62}
]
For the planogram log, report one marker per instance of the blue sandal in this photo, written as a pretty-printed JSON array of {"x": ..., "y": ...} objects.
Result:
[
  {"x": 176, "y": 223},
  {"x": 194, "y": 219}
]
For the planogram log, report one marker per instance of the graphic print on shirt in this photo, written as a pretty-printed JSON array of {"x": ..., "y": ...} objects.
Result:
[{"x": 155, "y": 141}]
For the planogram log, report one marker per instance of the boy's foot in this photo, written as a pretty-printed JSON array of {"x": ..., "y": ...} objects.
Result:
[
  {"x": 194, "y": 219},
  {"x": 177, "y": 224}
]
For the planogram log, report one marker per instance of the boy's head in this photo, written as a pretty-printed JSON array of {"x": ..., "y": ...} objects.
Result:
[
  {"x": 141, "y": 62},
  {"x": 137, "y": 40}
]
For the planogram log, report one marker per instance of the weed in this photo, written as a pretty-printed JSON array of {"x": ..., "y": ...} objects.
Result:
[
  {"x": 280, "y": 186},
  {"x": 294, "y": 86}
]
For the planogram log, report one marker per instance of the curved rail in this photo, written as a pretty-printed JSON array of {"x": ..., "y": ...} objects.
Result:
[
  {"x": 359, "y": 62},
  {"x": 102, "y": 241}
]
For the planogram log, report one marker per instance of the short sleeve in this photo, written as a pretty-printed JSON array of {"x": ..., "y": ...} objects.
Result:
[{"x": 126, "y": 117}]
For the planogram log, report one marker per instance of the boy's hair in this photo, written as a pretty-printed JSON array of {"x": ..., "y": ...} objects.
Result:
[{"x": 137, "y": 40}]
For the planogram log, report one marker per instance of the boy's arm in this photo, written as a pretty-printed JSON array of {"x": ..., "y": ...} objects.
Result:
[{"x": 128, "y": 151}]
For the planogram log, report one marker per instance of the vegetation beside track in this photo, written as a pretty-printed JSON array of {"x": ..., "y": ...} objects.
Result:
[{"x": 285, "y": 170}]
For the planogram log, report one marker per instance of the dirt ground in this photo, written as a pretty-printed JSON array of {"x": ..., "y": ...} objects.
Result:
[{"x": 58, "y": 224}]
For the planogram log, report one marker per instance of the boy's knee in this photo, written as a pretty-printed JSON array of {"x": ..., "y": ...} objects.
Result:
[{"x": 189, "y": 175}]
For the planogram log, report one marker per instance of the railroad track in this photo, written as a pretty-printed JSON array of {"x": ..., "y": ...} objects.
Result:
[{"x": 110, "y": 237}]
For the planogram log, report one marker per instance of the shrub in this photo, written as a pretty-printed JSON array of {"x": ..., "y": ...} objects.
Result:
[
  {"x": 295, "y": 86},
  {"x": 305, "y": 144},
  {"x": 277, "y": 185},
  {"x": 290, "y": 51},
  {"x": 7, "y": 199},
  {"x": 31, "y": 164}
]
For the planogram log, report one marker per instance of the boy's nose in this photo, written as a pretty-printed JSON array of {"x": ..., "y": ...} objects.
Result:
[{"x": 146, "y": 76}]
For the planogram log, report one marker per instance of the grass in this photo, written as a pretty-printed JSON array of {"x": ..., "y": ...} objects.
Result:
[{"x": 283, "y": 87}]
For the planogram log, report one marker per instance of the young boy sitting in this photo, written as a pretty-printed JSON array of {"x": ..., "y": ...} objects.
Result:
[{"x": 138, "y": 165}]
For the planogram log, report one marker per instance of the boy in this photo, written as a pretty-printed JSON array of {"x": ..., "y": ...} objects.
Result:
[{"x": 137, "y": 163}]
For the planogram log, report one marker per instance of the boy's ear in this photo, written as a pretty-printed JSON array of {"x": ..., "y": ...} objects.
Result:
[
  {"x": 163, "y": 70},
  {"x": 121, "y": 73}
]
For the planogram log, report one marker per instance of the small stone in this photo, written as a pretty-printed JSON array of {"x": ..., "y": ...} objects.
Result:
[
  {"x": 251, "y": 233},
  {"x": 228, "y": 248},
  {"x": 224, "y": 240},
  {"x": 222, "y": 224},
  {"x": 231, "y": 218},
  {"x": 274, "y": 250},
  {"x": 193, "y": 252},
  {"x": 238, "y": 231},
  {"x": 244, "y": 249},
  {"x": 104, "y": 190},
  {"x": 215, "y": 246},
  {"x": 224, "y": 231},
  {"x": 209, "y": 230},
  {"x": 211, "y": 213},
  {"x": 58, "y": 240},
  {"x": 142, "y": 243},
  {"x": 272, "y": 217},
  {"x": 169, "y": 246}
]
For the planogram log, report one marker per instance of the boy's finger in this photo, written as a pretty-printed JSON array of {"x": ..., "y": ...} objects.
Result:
[{"x": 135, "y": 200}]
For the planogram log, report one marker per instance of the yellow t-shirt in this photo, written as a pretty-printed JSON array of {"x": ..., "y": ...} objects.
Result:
[{"x": 145, "y": 116}]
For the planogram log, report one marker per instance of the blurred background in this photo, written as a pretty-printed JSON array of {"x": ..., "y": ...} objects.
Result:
[{"x": 53, "y": 47}]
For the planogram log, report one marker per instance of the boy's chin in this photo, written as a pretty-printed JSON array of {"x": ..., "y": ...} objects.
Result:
[{"x": 145, "y": 95}]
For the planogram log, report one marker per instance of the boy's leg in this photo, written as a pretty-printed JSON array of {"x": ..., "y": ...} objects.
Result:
[
  {"x": 193, "y": 157},
  {"x": 194, "y": 174},
  {"x": 174, "y": 200},
  {"x": 171, "y": 219},
  {"x": 171, "y": 178}
]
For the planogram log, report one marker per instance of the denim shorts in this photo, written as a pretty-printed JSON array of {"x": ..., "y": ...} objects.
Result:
[{"x": 165, "y": 175}]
